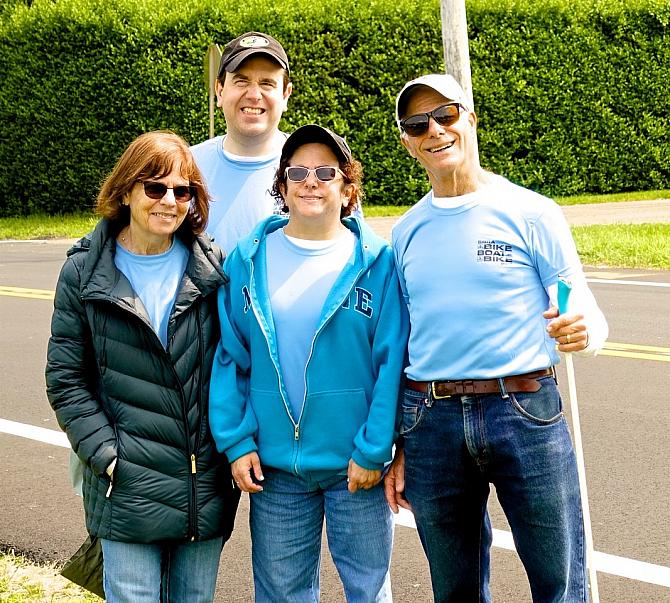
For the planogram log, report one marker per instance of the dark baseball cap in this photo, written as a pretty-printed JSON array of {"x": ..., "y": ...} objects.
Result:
[
  {"x": 248, "y": 44},
  {"x": 313, "y": 133}
]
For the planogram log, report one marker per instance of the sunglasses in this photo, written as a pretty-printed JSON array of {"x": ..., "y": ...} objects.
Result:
[
  {"x": 158, "y": 190},
  {"x": 445, "y": 115},
  {"x": 325, "y": 173}
]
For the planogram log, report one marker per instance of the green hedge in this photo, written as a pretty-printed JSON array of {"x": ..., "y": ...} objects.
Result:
[{"x": 572, "y": 95}]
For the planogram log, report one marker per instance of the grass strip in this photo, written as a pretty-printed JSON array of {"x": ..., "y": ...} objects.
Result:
[
  {"x": 624, "y": 245},
  {"x": 25, "y": 582}
]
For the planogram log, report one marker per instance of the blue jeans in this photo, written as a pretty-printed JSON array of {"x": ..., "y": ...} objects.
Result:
[
  {"x": 454, "y": 449},
  {"x": 286, "y": 521},
  {"x": 153, "y": 573}
]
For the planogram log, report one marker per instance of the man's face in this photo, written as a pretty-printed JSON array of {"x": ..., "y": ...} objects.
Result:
[
  {"x": 444, "y": 151},
  {"x": 253, "y": 98}
]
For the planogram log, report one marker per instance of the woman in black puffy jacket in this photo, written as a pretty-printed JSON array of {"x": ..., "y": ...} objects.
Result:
[{"x": 133, "y": 336}]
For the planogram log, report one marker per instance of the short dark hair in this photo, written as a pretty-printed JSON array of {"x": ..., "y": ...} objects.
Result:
[{"x": 153, "y": 155}]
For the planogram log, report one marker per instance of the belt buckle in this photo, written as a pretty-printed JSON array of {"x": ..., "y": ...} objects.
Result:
[{"x": 434, "y": 394}]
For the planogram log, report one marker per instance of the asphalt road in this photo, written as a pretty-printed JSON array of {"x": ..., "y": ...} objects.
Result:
[{"x": 624, "y": 416}]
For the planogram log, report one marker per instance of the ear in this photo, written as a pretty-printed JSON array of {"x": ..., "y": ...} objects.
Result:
[
  {"x": 347, "y": 194},
  {"x": 218, "y": 89},
  {"x": 405, "y": 143},
  {"x": 287, "y": 94}
]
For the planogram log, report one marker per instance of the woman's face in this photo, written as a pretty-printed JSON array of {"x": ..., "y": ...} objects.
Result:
[
  {"x": 313, "y": 203},
  {"x": 154, "y": 221}
]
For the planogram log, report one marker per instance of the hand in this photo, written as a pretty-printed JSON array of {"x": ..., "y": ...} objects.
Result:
[
  {"x": 569, "y": 330},
  {"x": 358, "y": 477},
  {"x": 244, "y": 469},
  {"x": 394, "y": 483}
]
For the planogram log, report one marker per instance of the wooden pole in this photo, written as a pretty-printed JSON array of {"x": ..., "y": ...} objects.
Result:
[
  {"x": 455, "y": 44},
  {"x": 212, "y": 59}
]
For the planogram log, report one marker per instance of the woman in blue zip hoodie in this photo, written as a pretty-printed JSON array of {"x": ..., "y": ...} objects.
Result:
[{"x": 305, "y": 383}]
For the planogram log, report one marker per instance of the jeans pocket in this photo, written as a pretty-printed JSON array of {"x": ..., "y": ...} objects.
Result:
[
  {"x": 413, "y": 409},
  {"x": 543, "y": 407}
]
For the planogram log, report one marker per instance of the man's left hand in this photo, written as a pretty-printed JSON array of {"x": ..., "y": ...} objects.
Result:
[{"x": 569, "y": 330}]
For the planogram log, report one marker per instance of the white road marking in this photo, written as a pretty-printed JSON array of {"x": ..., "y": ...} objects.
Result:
[
  {"x": 601, "y": 281},
  {"x": 605, "y": 563}
]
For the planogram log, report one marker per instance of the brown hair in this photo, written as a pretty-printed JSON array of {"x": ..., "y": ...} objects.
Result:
[
  {"x": 153, "y": 155},
  {"x": 353, "y": 176}
]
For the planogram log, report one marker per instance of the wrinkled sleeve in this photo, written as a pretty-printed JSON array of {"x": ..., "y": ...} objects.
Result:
[
  {"x": 72, "y": 377},
  {"x": 231, "y": 418},
  {"x": 374, "y": 440},
  {"x": 556, "y": 256}
]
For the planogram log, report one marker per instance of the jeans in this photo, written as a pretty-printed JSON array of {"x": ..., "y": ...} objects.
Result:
[
  {"x": 454, "y": 449},
  {"x": 286, "y": 521},
  {"x": 153, "y": 573}
]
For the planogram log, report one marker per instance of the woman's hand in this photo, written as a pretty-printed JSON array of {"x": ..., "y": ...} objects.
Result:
[
  {"x": 358, "y": 477},
  {"x": 247, "y": 472}
]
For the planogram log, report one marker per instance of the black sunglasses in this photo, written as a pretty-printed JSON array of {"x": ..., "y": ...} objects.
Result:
[
  {"x": 158, "y": 190},
  {"x": 445, "y": 115},
  {"x": 324, "y": 173}
]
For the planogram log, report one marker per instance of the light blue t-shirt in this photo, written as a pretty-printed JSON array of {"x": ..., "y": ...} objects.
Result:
[
  {"x": 474, "y": 275},
  {"x": 240, "y": 190},
  {"x": 301, "y": 273},
  {"x": 155, "y": 279}
]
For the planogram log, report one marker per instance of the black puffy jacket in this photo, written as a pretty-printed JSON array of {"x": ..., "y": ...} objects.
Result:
[{"x": 119, "y": 394}]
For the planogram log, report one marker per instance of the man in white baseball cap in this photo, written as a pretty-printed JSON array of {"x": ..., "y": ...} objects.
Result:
[{"x": 479, "y": 259}]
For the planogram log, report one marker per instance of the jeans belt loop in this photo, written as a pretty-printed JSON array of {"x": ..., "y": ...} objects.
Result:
[{"x": 503, "y": 389}]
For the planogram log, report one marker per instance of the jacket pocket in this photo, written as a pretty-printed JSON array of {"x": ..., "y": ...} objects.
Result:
[{"x": 330, "y": 423}]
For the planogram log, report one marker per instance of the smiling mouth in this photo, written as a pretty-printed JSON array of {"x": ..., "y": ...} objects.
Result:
[
  {"x": 253, "y": 110},
  {"x": 442, "y": 148},
  {"x": 162, "y": 215}
]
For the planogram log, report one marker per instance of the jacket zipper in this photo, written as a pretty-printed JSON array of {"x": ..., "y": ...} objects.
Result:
[
  {"x": 311, "y": 349},
  {"x": 192, "y": 530}
]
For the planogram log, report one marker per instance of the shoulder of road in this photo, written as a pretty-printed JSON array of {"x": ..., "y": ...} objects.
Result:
[{"x": 621, "y": 212}]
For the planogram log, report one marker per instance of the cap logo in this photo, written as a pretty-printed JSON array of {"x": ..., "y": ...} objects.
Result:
[{"x": 254, "y": 42}]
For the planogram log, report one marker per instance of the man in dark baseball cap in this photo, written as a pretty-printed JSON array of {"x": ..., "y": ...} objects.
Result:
[{"x": 252, "y": 90}]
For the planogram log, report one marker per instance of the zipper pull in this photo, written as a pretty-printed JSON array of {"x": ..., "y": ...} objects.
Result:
[
  {"x": 296, "y": 432},
  {"x": 193, "y": 470},
  {"x": 109, "y": 490}
]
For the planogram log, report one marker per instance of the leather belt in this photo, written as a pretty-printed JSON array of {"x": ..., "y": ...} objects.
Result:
[{"x": 515, "y": 383}]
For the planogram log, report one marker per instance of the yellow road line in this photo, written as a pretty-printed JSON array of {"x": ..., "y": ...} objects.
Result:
[
  {"x": 611, "y": 348},
  {"x": 611, "y": 345},
  {"x": 30, "y": 293},
  {"x": 633, "y": 350}
]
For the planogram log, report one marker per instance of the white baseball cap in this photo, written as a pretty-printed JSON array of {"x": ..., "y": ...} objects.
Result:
[{"x": 442, "y": 83}]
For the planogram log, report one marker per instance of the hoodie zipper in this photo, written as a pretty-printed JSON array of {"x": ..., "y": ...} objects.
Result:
[{"x": 311, "y": 352}]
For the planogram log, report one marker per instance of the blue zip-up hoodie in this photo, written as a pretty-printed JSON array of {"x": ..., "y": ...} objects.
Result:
[{"x": 353, "y": 374}]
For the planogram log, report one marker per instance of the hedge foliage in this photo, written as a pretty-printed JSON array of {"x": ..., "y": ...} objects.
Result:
[{"x": 572, "y": 95}]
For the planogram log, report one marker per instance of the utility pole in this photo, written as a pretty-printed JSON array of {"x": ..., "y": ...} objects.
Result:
[{"x": 455, "y": 44}]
